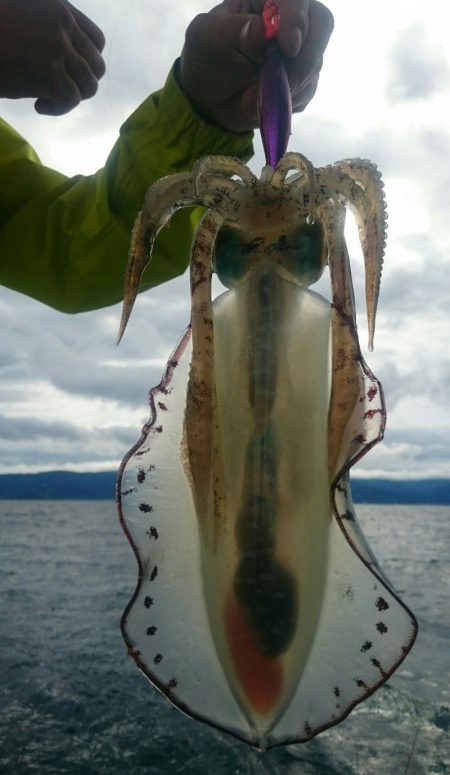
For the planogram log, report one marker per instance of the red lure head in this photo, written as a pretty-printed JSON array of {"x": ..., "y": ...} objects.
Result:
[{"x": 270, "y": 19}]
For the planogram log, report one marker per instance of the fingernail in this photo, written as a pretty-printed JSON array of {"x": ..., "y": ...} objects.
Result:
[
  {"x": 244, "y": 31},
  {"x": 293, "y": 42}
]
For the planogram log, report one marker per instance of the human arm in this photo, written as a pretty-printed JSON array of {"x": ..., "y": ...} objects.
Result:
[{"x": 65, "y": 241}]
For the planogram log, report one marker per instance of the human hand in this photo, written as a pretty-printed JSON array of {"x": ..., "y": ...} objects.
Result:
[
  {"x": 49, "y": 50},
  {"x": 221, "y": 58}
]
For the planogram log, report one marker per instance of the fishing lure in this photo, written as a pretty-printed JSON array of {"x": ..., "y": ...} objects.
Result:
[{"x": 260, "y": 608}]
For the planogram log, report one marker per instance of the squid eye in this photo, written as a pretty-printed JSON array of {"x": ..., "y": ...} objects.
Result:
[
  {"x": 232, "y": 255},
  {"x": 300, "y": 252},
  {"x": 304, "y": 255}
]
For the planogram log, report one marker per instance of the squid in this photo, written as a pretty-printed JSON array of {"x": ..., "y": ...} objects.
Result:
[{"x": 260, "y": 608}]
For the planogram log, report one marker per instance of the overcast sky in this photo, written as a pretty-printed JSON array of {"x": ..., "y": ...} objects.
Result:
[{"x": 69, "y": 399}]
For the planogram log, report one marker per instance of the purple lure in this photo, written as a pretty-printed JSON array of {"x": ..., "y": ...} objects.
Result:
[{"x": 274, "y": 104}]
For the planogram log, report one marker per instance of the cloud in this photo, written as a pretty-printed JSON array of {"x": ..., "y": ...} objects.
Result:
[
  {"x": 33, "y": 445},
  {"x": 29, "y": 429},
  {"x": 418, "y": 71},
  {"x": 69, "y": 398}
]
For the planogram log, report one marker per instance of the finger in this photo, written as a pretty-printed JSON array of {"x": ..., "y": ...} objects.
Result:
[
  {"x": 241, "y": 36},
  {"x": 239, "y": 6},
  {"x": 309, "y": 60},
  {"x": 82, "y": 75},
  {"x": 68, "y": 97},
  {"x": 294, "y": 22},
  {"x": 249, "y": 107},
  {"x": 88, "y": 51},
  {"x": 305, "y": 95},
  {"x": 90, "y": 29},
  {"x": 213, "y": 48}
]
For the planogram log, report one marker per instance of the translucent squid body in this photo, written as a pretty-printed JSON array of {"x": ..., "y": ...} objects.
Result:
[{"x": 260, "y": 608}]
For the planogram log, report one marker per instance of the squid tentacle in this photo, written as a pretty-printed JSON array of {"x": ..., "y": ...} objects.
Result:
[
  {"x": 163, "y": 198},
  {"x": 288, "y": 163},
  {"x": 166, "y": 196},
  {"x": 357, "y": 182},
  {"x": 345, "y": 384},
  {"x": 201, "y": 429},
  {"x": 207, "y": 166}
]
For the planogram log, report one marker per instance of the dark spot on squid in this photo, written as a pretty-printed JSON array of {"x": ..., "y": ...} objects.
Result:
[
  {"x": 362, "y": 684},
  {"x": 348, "y": 515},
  {"x": 148, "y": 601},
  {"x": 173, "y": 363},
  {"x": 366, "y": 646},
  {"x": 154, "y": 573},
  {"x": 172, "y": 684},
  {"x": 141, "y": 476},
  {"x": 127, "y": 492},
  {"x": 280, "y": 245},
  {"x": 381, "y": 604},
  {"x": 151, "y": 630},
  {"x": 196, "y": 265},
  {"x": 145, "y": 508},
  {"x": 372, "y": 392},
  {"x": 381, "y": 627},
  {"x": 337, "y": 691},
  {"x": 151, "y": 467},
  {"x": 153, "y": 533},
  {"x": 158, "y": 429},
  {"x": 376, "y": 663},
  {"x": 370, "y": 414},
  {"x": 349, "y": 592},
  {"x": 361, "y": 439},
  {"x": 307, "y": 728},
  {"x": 196, "y": 285},
  {"x": 162, "y": 406},
  {"x": 341, "y": 359},
  {"x": 158, "y": 659}
]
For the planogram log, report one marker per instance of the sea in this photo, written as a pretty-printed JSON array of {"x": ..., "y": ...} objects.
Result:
[{"x": 72, "y": 701}]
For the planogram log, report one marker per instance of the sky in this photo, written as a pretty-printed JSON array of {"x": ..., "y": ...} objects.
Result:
[{"x": 70, "y": 399}]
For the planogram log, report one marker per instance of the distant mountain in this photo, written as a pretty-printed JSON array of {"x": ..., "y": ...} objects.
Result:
[
  {"x": 68, "y": 485},
  {"x": 407, "y": 491},
  {"x": 58, "y": 485}
]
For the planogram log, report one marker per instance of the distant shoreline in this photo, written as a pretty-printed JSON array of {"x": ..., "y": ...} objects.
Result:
[{"x": 70, "y": 485}]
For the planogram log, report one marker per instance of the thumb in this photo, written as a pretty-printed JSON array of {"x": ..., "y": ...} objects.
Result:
[
  {"x": 250, "y": 37},
  {"x": 239, "y": 34}
]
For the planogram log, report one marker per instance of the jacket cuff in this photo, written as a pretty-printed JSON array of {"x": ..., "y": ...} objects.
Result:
[{"x": 186, "y": 131}]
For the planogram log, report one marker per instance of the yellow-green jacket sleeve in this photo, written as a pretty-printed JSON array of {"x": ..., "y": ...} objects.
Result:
[{"x": 65, "y": 241}]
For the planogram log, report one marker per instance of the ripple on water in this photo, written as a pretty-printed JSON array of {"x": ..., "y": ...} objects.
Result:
[{"x": 73, "y": 702}]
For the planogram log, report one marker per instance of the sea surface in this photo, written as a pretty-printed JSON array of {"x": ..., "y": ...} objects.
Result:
[{"x": 72, "y": 701}]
